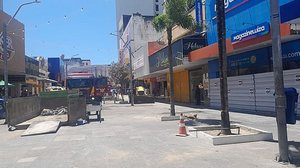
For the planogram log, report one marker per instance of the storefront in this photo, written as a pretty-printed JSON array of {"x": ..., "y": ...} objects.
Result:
[
  {"x": 199, "y": 78},
  {"x": 251, "y": 80},
  {"x": 159, "y": 68}
]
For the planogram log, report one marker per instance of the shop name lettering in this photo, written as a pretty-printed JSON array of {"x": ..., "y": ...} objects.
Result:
[
  {"x": 227, "y": 3},
  {"x": 161, "y": 61},
  {"x": 10, "y": 48},
  {"x": 192, "y": 46},
  {"x": 231, "y": 4},
  {"x": 239, "y": 37},
  {"x": 252, "y": 32}
]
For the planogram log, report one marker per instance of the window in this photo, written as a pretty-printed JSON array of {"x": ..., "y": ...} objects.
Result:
[{"x": 157, "y": 7}]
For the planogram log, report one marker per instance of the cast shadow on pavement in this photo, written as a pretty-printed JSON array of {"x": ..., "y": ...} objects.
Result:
[
  {"x": 294, "y": 149},
  {"x": 199, "y": 122},
  {"x": 294, "y": 152}
]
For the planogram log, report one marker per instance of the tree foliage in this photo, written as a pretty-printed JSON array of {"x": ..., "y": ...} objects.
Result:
[
  {"x": 119, "y": 74},
  {"x": 177, "y": 13}
]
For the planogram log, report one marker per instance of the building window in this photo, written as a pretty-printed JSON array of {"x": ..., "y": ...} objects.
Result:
[
  {"x": 157, "y": 7},
  {"x": 156, "y": 0}
]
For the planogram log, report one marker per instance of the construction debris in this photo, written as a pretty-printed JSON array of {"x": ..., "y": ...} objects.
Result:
[{"x": 58, "y": 111}]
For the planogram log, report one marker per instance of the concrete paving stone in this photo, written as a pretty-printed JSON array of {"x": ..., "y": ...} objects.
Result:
[{"x": 134, "y": 137}]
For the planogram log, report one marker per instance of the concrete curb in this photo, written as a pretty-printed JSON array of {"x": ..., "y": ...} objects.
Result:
[{"x": 170, "y": 118}]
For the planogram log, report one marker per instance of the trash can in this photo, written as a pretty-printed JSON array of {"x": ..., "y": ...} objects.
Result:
[{"x": 291, "y": 105}]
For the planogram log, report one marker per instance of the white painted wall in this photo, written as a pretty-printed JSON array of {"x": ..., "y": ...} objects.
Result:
[{"x": 141, "y": 31}]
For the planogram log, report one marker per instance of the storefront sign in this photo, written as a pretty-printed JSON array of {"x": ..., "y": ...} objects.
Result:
[
  {"x": 229, "y": 6},
  {"x": 252, "y": 32},
  {"x": 181, "y": 48},
  {"x": 10, "y": 48},
  {"x": 192, "y": 44},
  {"x": 198, "y": 9}
]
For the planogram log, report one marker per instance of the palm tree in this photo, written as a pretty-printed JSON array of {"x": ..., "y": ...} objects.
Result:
[
  {"x": 176, "y": 13},
  {"x": 225, "y": 121}
]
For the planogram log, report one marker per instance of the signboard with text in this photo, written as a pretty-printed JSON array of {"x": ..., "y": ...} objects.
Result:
[
  {"x": 229, "y": 6},
  {"x": 251, "y": 32}
]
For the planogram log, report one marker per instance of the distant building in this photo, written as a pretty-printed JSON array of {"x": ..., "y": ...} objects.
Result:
[
  {"x": 96, "y": 70},
  {"x": 86, "y": 62},
  {"x": 139, "y": 31},
  {"x": 31, "y": 86},
  {"x": 54, "y": 68},
  {"x": 125, "y": 9}
]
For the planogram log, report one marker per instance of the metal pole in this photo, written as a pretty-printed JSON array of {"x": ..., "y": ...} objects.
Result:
[
  {"x": 66, "y": 75},
  {"x": 5, "y": 59},
  {"x": 279, "y": 84},
  {"x": 131, "y": 77}
]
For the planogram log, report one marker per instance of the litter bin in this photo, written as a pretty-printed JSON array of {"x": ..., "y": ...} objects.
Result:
[{"x": 291, "y": 105}]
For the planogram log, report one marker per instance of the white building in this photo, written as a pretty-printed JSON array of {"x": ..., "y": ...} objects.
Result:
[
  {"x": 125, "y": 8},
  {"x": 138, "y": 32}
]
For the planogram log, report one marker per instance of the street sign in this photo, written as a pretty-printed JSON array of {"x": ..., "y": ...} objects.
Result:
[{"x": 10, "y": 49}]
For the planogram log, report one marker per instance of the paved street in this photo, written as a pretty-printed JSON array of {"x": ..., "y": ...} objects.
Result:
[{"x": 134, "y": 137}]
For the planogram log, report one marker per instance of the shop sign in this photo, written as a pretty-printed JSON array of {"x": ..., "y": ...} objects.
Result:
[
  {"x": 198, "y": 9},
  {"x": 192, "y": 44},
  {"x": 10, "y": 48},
  {"x": 228, "y": 4},
  {"x": 250, "y": 33}
]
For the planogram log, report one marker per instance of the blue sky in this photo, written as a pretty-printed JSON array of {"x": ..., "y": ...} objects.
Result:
[{"x": 69, "y": 27}]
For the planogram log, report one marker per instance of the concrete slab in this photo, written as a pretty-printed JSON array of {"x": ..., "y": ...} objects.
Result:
[
  {"x": 170, "y": 118},
  {"x": 62, "y": 118},
  {"x": 44, "y": 127}
]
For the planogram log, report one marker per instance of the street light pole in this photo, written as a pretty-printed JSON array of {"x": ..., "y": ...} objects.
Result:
[
  {"x": 5, "y": 58},
  {"x": 130, "y": 67},
  {"x": 279, "y": 84}
]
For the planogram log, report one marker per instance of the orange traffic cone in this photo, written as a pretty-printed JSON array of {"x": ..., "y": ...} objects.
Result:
[{"x": 182, "y": 129}]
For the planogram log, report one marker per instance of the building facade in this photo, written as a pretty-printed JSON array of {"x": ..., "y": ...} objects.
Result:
[
  {"x": 31, "y": 86},
  {"x": 16, "y": 49},
  {"x": 250, "y": 71},
  {"x": 54, "y": 69},
  {"x": 126, "y": 8},
  {"x": 138, "y": 32}
]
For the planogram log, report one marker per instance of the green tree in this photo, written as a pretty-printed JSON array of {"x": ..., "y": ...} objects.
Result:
[
  {"x": 119, "y": 75},
  {"x": 176, "y": 13}
]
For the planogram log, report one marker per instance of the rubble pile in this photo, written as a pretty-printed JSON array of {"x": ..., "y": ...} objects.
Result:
[{"x": 58, "y": 111}]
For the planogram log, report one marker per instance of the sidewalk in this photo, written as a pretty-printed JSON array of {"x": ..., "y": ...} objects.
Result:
[{"x": 134, "y": 137}]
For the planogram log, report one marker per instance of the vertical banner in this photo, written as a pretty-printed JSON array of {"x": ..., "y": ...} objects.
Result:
[{"x": 198, "y": 7}]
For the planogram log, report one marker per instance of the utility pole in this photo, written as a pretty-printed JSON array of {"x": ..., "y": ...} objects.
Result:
[
  {"x": 130, "y": 67},
  {"x": 278, "y": 81},
  {"x": 131, "y": 77},
  {"x": 5, "y": 59},
  {"x": 225, "y": 122}
]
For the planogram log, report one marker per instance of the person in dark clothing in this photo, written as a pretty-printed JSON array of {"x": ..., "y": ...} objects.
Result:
[{"x": 197, "y": 95}]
